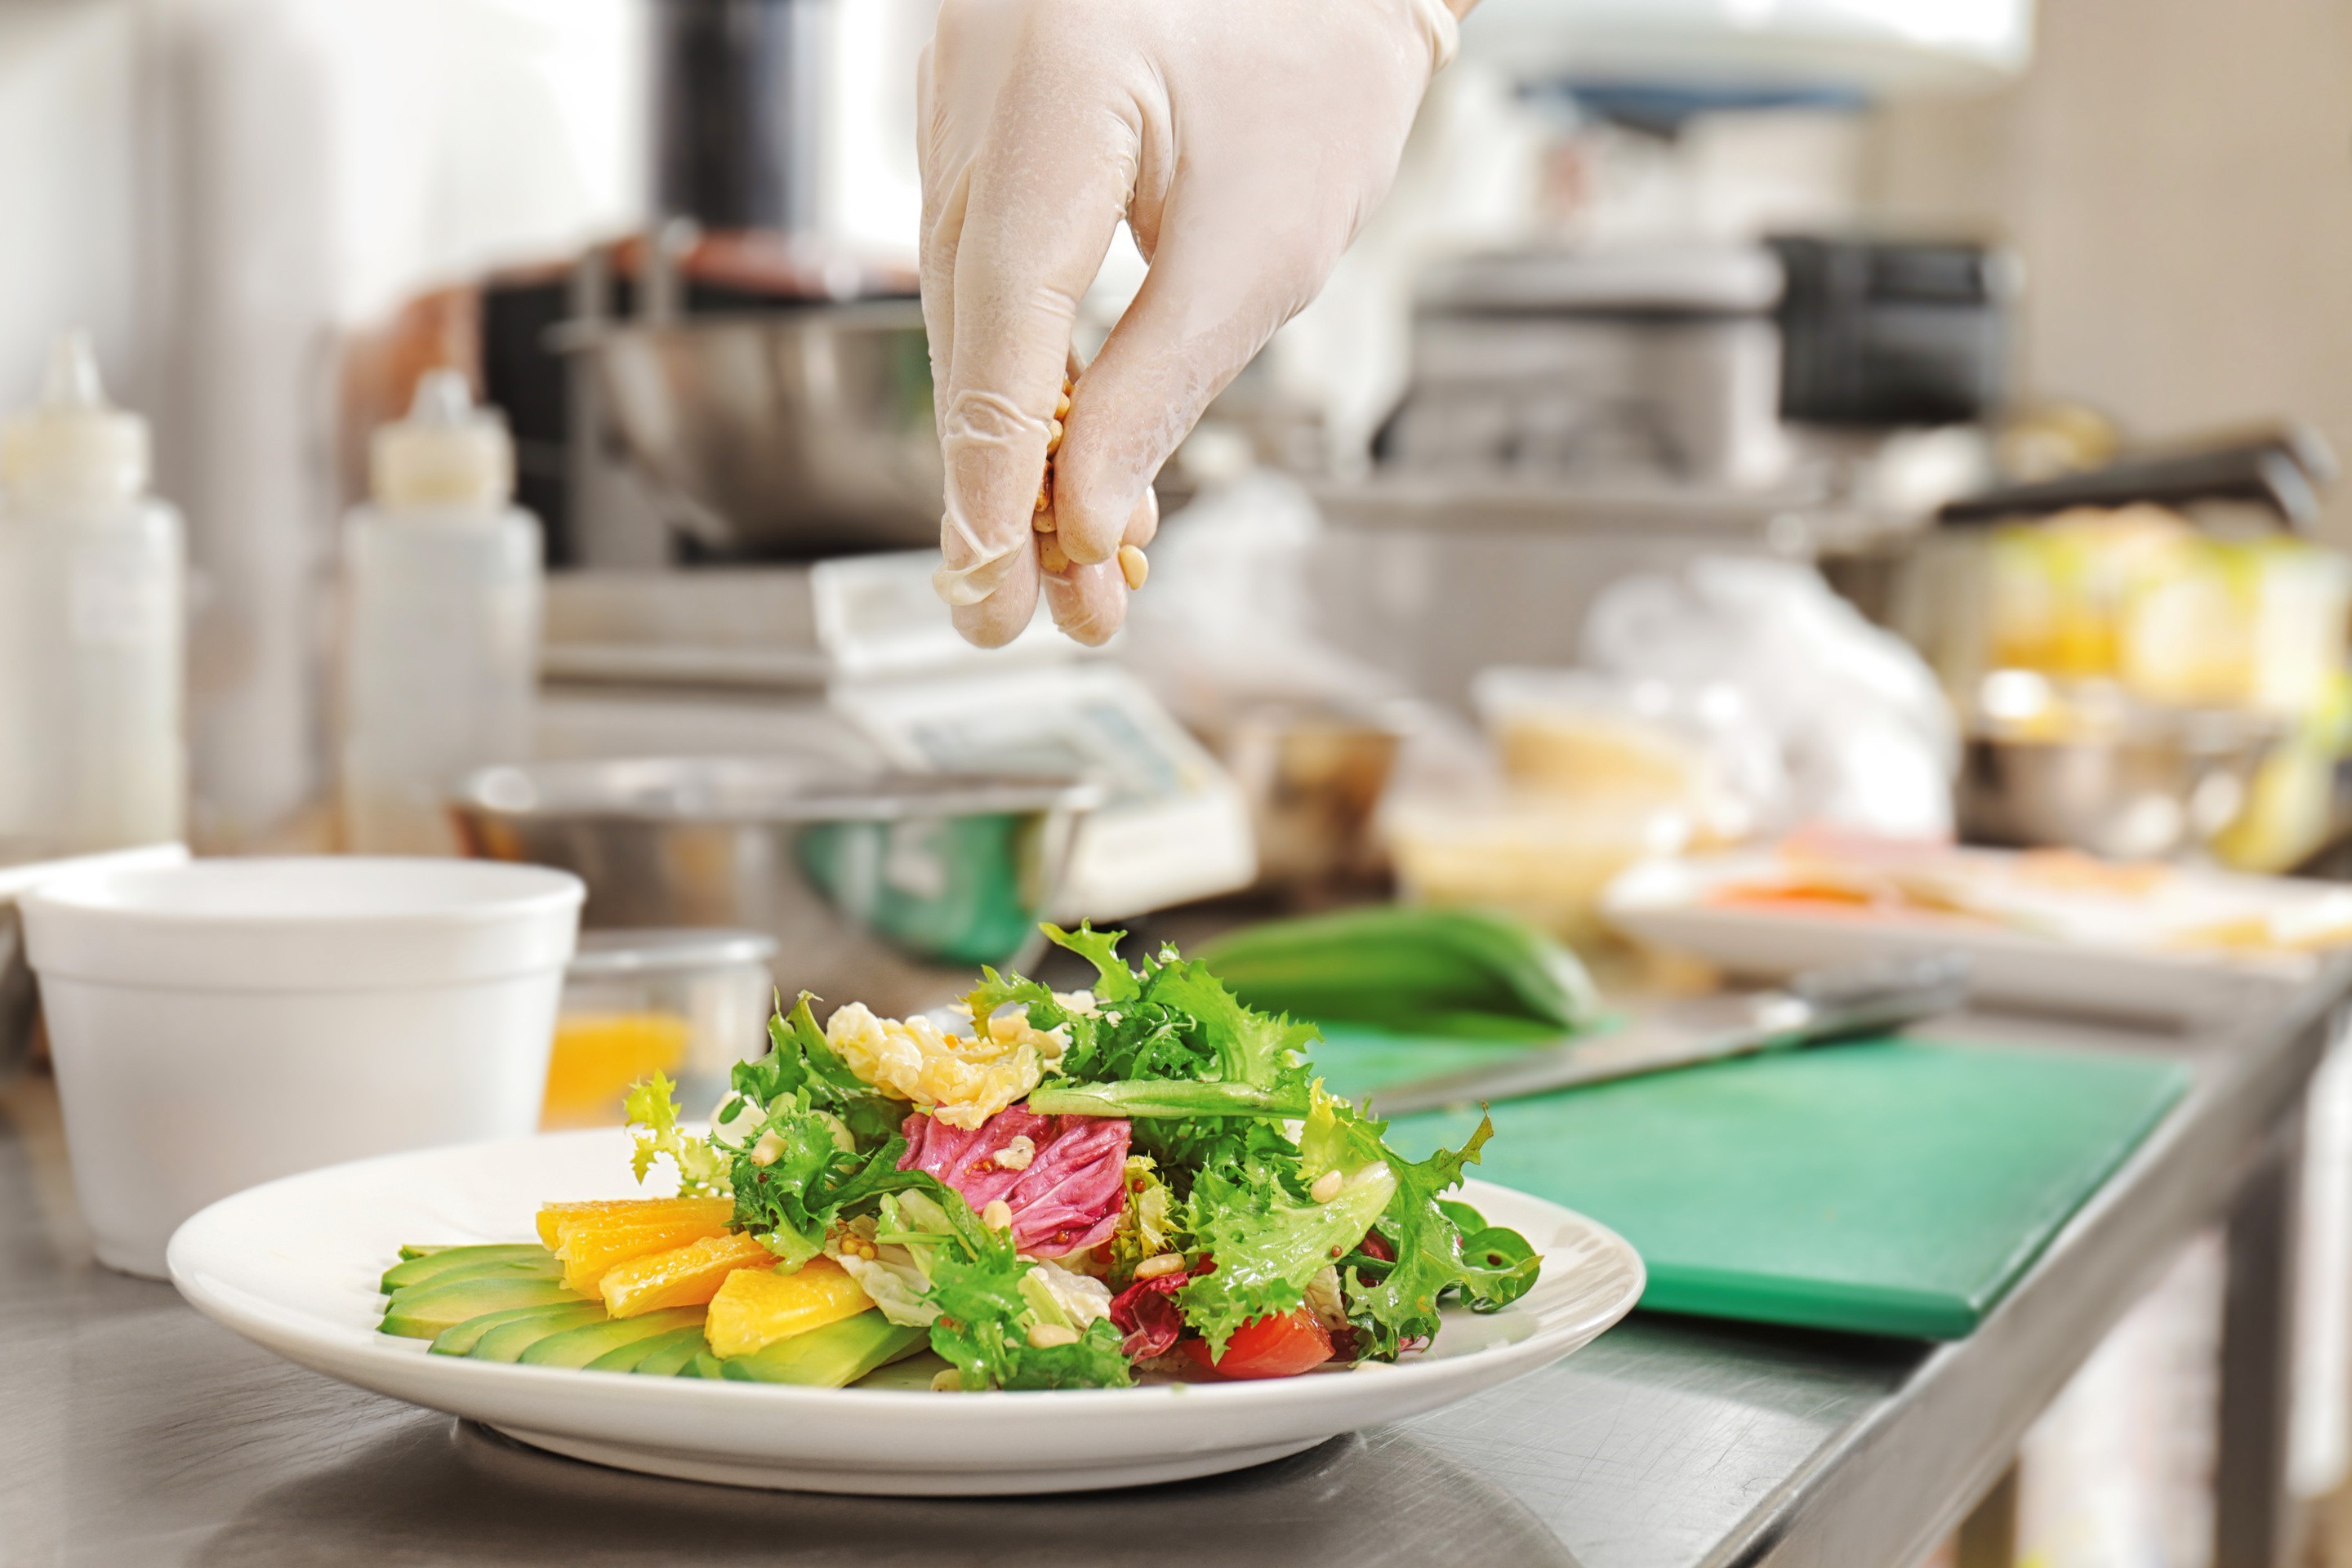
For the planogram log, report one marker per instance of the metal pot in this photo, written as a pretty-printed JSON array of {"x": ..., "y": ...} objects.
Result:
[
  {"x": 887, "y": 888},
  {"x": 790, "y": 434}
]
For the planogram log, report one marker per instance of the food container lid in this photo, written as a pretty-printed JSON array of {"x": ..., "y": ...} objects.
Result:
[{"x": 666, "y": 949}]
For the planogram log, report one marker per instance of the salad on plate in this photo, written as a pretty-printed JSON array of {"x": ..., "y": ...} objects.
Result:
[{"x": 1140, "y": 1181}]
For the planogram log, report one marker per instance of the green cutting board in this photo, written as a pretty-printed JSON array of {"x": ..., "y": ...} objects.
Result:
[{"x": 1890, "y": 1186}]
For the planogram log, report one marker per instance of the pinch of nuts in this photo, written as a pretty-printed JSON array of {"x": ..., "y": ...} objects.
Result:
[
  {"x": 1016, "y": 1155},
  {"x": 1163, "y": 1264},
  {"x": 1133, "y": 566},
  {"x": 997, "y": 1214},
  {"x": 1046, "y": 1336},
  {"x": 1327, "y": 1186}
]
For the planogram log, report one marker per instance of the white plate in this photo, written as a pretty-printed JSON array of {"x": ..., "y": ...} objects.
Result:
[
  {"x": 292, "y": 1266},
  {"x": 2078, "y": 952}
]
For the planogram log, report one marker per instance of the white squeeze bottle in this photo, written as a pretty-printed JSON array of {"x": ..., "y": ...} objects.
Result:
[
  {"x": 92, "y": 626},
  {"x": 442, "y": 589}
]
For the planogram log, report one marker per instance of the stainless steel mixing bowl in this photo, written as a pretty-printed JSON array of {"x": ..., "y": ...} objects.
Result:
[
  {"x": 787, "y": 434},
  {"x": 890, "y": 890}
]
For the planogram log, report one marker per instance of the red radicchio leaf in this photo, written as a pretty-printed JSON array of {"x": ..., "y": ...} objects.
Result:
[
  {"x": 1375, "y": 1245},
  {"x": 1067, "y": 1199},
  {"x": 1145, "y": 1313}
]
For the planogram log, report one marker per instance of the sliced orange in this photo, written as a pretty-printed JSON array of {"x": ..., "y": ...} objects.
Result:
[
  {"x": 554, "y": 1217},
  {"x": 757, "y": 1306},
  {"x": 590, "y": 1240},
  {"x": 685, "y": 1275}
]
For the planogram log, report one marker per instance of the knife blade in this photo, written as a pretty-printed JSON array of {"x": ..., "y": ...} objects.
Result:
[{"x": 1821, "y": 1005}]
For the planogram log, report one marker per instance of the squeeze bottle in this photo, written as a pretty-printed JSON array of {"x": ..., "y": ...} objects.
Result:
[
  {"x": 442, "y": 602},
  {"x": 93, "y": 569}
]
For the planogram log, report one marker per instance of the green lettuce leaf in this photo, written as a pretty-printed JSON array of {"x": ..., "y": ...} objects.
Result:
[
  {"x": 1393, "y": 1302},
  {"x": 651, "y": 1109},
  {"x": 1268, "y": 1239}
]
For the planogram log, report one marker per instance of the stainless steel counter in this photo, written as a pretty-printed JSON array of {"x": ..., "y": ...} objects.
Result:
[{"x": 133, "y": 1431}]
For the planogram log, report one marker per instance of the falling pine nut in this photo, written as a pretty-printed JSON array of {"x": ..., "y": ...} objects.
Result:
[{"x": 1133, "y": 566}]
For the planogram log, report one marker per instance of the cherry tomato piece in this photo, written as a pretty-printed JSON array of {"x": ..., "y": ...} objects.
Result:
[{"x": 1280, "y": 1346}]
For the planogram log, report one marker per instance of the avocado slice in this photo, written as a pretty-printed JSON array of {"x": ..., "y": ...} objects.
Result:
[
  {"x": 669, "y": 1355},
  {"x": 704, "y": 1364},
  {"x": 497, "y": 1269},
  {"x": 423, "y": 1311},
  {"x": 448, "y": 1264},
  {"x": 577, "y": 1347},
  {"x": 510, "y": 1339},
  {"x": 914, "y": 1373},
  {"x": 836, "y": 1354},
  {"x": 685, "y": 1343},
  {"x": 461, "y": 1340},
  {"x": 408, "y": 1251}
]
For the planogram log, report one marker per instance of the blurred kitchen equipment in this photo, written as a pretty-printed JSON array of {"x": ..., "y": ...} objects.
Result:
[
  {"x": 688, "y": 1003},
  {"x": 2089, "y": 768},
  {"x": 223, "y": 1023},
  {"x": 441, "y": 629},
  {"x": 2280, "y": 471},
  {"x": 20, "y": 1001},
  {"x": 93, "y": 627},
  {"x": 1314, "y": 774},
  {"x": 1596, "y": 366},
  {"x": 887, "y": 889},
  {"x": 739, "y": 132},
  {"x": 785, "y": 435},
  {"x": 1879, "y": 332},
  {"x": 1819, "y": 1005}
]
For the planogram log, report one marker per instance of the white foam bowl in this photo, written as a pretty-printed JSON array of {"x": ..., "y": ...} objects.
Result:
[{"x": 224, "y": 1023}]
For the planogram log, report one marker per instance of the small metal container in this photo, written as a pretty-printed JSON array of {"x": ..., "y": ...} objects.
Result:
[
  {"x": 887, "y": 888},
  {"x": 2090, "y": 770},
  {"x": 684, "y": 1003}
]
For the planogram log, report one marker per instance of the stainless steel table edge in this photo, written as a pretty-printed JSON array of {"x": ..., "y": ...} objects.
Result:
[{"x": 2228, "y": 1152}]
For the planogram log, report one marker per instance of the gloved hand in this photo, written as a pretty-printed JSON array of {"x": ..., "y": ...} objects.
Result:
[{"x": 1243, "y": 140}]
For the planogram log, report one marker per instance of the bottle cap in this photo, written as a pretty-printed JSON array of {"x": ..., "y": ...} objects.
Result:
[
  {"x": 73, "y": 448},
  {"x": 447, "y": 453}
]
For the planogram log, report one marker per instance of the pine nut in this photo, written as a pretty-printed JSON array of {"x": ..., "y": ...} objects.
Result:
[
  {"x": 1133, "y": 566},
  {"x": 947, "y": 1380},
  {"x": 1046, "y": 1336},
  {"x": 1053, "y": 436},
  {"x": 997, "y": 1214},
  {"x": 1327, "y": 1186},
  {"x": 1044, "y": 521},
  {"x": 1016, "y": 1155},
  {"x": 1051, "y": 555},
  {"x": 768, "y": 1150},
  {"x": 1164, "y": 1263}
]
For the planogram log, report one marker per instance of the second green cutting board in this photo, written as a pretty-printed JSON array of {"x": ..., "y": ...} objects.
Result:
[{"x": 1893, "y": 1187}]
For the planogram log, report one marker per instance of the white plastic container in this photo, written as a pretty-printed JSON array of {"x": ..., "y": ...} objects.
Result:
[
  {"x": 442, "y": 600},
  {"x": 92, "y": 628},
  {"x": 228, "y": 1022}
]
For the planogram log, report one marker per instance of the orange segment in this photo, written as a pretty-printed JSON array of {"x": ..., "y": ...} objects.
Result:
[
  {"x": 685, "y": 1275},
  {"x": 590, "y": 1243},
  {"x": 757, "y": 1306},
  {"x": 554, "y": 1217}
]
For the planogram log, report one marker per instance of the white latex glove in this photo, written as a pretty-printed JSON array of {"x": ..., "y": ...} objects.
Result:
[{"x": 1243, "y": 140}]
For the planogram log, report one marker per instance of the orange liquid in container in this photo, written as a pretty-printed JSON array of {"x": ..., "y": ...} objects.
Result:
[{"x": 598, "y": 1056}]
